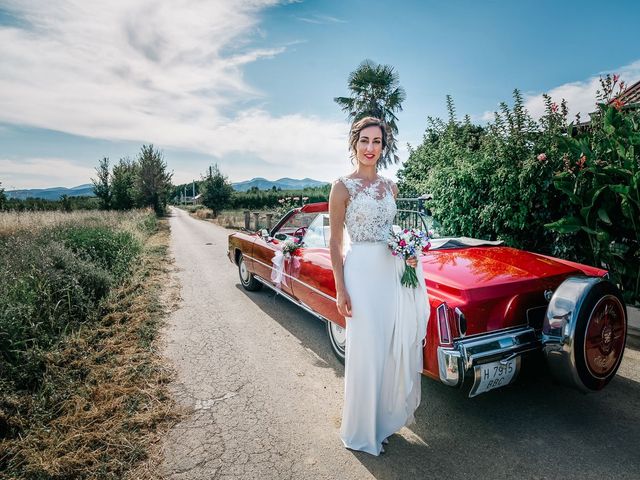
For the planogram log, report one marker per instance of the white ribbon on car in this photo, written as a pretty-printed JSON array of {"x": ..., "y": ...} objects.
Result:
[{"x": 278, "y": 276}]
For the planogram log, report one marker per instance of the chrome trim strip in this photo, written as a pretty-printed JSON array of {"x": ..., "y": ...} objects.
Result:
[
  {"x": 493, "y": 345},
  {"x": 499, "y": 330},
  {"x": 469, "y": 352},
  {"x": 328, "y": 297},
  {"x": 450, "y": 367}
]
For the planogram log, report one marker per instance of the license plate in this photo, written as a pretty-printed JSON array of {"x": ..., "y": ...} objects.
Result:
[{"x": 494, "y": 375}]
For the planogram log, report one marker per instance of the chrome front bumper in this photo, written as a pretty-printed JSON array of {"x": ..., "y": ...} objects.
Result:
[{"x": 466, "y": 353}]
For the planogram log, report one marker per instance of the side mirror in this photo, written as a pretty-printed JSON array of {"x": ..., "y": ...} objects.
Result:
[{"x": 264, "y": 233}]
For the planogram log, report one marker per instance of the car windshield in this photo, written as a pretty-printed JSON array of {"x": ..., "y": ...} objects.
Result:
[
  {"x": 297, "y": 222},
  {"x": 319, "y": 232}
]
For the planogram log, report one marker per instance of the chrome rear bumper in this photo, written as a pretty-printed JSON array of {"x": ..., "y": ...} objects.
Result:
[{"x": 465, "y": 353}]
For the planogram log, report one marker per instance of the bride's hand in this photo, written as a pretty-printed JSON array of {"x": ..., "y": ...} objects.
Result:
[
  {"x": 343, "y": 302},
  {"x": 412, "y": 262}
]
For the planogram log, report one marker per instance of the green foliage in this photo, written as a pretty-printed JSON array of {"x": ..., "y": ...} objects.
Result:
[
  {"x": 111, "y": 250},
  {"x": 148, "y": 224},
  {"x": 40, "y": 204},
  {"x": 46, "y": 291},
  {"x": 123, "y": 183},
  {"x": 53, "y": 281},
  {"x": 256, "y": 199},
  {"x": 102, "y": 185},
  {"x": 601, "y": 178},
  {"x": 539, "y": 185},
  {"x": 376, "y": 92},
  {"x": 3, "y": 198},
  {"x": 271, "y": 199},
  {"x": 216, "y": 190},
  {"x": 153, "y": 183},
  {"x": 489, "y": 182},
  {"x": 65, "y": 203}
]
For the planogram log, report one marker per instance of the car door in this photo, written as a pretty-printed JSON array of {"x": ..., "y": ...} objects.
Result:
[
  {"x": 264, "y": 253},
  {"x": 314, "y": 285}
]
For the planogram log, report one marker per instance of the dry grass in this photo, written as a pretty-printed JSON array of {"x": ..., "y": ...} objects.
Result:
[
  {"x": 106, "y": 404},
  {"x": 16, "y": 222},
  {"x": 231, "y": 219}
]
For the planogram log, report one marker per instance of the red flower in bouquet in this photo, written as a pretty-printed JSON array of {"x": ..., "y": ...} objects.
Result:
[{"x": 409, "y": 243}]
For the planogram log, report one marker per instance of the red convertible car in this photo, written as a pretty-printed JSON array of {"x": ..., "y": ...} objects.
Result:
[{"x": 490, "y": 304}]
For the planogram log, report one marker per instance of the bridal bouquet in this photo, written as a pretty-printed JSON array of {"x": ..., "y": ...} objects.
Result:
[{"x": 409, "y": 243}]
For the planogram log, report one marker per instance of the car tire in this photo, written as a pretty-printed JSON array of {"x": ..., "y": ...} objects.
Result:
[
  {"x": 338, "y": 339},
  {"x": 584, "y": 332},
  {"x": 247, "y": 279},
  {"x": 600, "y": 337}
]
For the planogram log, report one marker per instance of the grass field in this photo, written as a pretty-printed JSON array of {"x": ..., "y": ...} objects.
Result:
[{"x": 83, "y": 388}]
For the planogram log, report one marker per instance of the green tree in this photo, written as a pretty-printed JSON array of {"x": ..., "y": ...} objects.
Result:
[
  {"x": 102, "y": 184},
  {"x": 216, "y": 190},
  {"x": 376, "y": 92},
  {"x": 65, "y": 203},
  {"x": 496, "y": 181},
  {"x": 3, "y": 198},
  {"x": 123, "y": 184},
  {"x": 153, "y": 182}
]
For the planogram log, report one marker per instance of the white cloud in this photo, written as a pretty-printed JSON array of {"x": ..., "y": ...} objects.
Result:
[
  {"x": 161, "y": 72},
  {"x": 580, "y": 95},
  {"x": 39, "y": 172},
  {"x": 319, "y": 19}
]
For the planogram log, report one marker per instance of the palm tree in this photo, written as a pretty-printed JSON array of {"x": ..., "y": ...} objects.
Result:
[{"x": 376, "y": 92}]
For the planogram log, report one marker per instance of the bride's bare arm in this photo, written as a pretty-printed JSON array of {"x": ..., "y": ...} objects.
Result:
[{"x": 338, "y": 199}]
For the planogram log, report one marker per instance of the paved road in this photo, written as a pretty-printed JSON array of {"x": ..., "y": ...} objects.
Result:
[{"x": 267, "y": 394}]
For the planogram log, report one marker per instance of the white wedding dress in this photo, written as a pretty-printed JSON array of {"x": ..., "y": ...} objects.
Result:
[{"x": 383, "y": 361}]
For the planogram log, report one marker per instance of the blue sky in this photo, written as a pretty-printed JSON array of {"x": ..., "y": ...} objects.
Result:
[{"x": 250, "y": 84}]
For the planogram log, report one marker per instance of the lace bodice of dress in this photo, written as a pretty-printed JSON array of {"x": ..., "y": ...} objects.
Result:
[{"x": 371, "y": 209}]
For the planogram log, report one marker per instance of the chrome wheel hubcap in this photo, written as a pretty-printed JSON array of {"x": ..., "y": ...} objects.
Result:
[
  {"x": 244, "y": 273},
  {"x": 339, "y": 335}
]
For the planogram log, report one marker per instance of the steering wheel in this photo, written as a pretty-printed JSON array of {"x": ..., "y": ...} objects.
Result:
[{"x": 300, "y": 232}]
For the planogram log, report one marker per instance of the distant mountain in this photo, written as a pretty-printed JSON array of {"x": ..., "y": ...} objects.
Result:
[
  {"x": 86, "y": 190},
  {"x": 283, "y": 183},
  {"x": 53, "y": 193}
]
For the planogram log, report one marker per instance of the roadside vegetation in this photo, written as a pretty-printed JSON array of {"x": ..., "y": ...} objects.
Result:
[
  {"x": 140, "y": 183},
  {"x": 83, "y": 389},
  {"x": 65, "y": 204},
  {"x": 566, "y": 188}
]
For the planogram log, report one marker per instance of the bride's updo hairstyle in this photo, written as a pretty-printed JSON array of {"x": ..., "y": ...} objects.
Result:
[{"x": 357, "y": 127}]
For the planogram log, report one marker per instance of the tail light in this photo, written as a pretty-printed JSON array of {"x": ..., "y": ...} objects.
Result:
[{"x": 444, "y": 331}]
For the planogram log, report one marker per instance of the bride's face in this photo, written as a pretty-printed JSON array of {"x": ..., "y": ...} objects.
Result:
[{"x": 369, "y": 146}]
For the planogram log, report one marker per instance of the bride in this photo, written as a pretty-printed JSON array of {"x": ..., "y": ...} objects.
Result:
[{"x": 386, "y": 322}]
